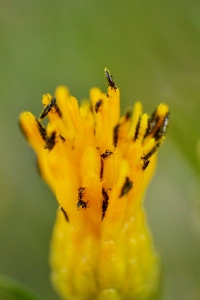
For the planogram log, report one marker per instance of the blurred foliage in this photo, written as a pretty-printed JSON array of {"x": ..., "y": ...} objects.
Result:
[
  {"x": 152, "y": 49},
  {"x": 13, "y": 290}
]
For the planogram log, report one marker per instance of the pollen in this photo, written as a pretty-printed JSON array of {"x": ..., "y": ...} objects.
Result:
[{"x": 98, "y": 164}]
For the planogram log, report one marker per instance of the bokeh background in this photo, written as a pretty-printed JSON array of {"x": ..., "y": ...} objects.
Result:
[{"x": 152, "y": 49}]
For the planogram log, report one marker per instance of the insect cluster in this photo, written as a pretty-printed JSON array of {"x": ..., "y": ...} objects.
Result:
[
  {"x": 49, "y": 139},
  {"x": 157, "y": 127}
]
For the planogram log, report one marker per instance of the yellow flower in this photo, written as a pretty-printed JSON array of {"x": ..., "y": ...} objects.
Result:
[{"x": 99, "y": 164}]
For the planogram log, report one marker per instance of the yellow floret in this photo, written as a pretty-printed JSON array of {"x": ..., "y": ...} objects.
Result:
[{"x": 99, "y": 164}]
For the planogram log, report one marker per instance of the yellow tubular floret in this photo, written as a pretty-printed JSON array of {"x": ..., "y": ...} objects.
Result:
[{"x": 99, "y": 164}]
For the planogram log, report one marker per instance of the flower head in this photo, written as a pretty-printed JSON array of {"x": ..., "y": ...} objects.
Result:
[{"x": 99, "y": 164}]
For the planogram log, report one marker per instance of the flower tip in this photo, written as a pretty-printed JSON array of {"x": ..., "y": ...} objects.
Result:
[
  {"x": 25, "y": 119},
  {"x": 62, "y": 92},
  {"x": 162, "y": 108},
  {"x": 21, "y": 125}
]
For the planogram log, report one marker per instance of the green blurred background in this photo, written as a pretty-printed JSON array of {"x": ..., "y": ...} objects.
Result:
[{"x": 152, "y": 48}]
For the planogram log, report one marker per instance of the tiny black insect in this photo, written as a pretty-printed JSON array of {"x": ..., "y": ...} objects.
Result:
[
  {"x": 80, "y": 202},
  {"x": 80, "y": 192},
  {"x": 145, "y": 164},
  {"x": 165, "y": 123},
  {"x": 41, "y": 130},
  {"x": 115, "y": 134},
  {"x": 147, "y": 156},
  {"x": 50, "y": 141},
  {"x": 97, "y": 105},
  {"x": 101, "y": 171},
  {"x": 126, "y": 187},
  {"x": 128, "y": 114},
  {"x": 106, "y": 154},
  {"x": 49, "y": 107},
  {"x": 137, "y": 128},
  {"x": 151, "y": 152},
  {"x": 62, "y": 138},
  {"x": 105, "y": 202},
  {"x": 152, "y": 122},
  {"x": 163, "y": 128},
  {"x": 64, "y": 213},
  {"x": 110, "y": 80}
]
